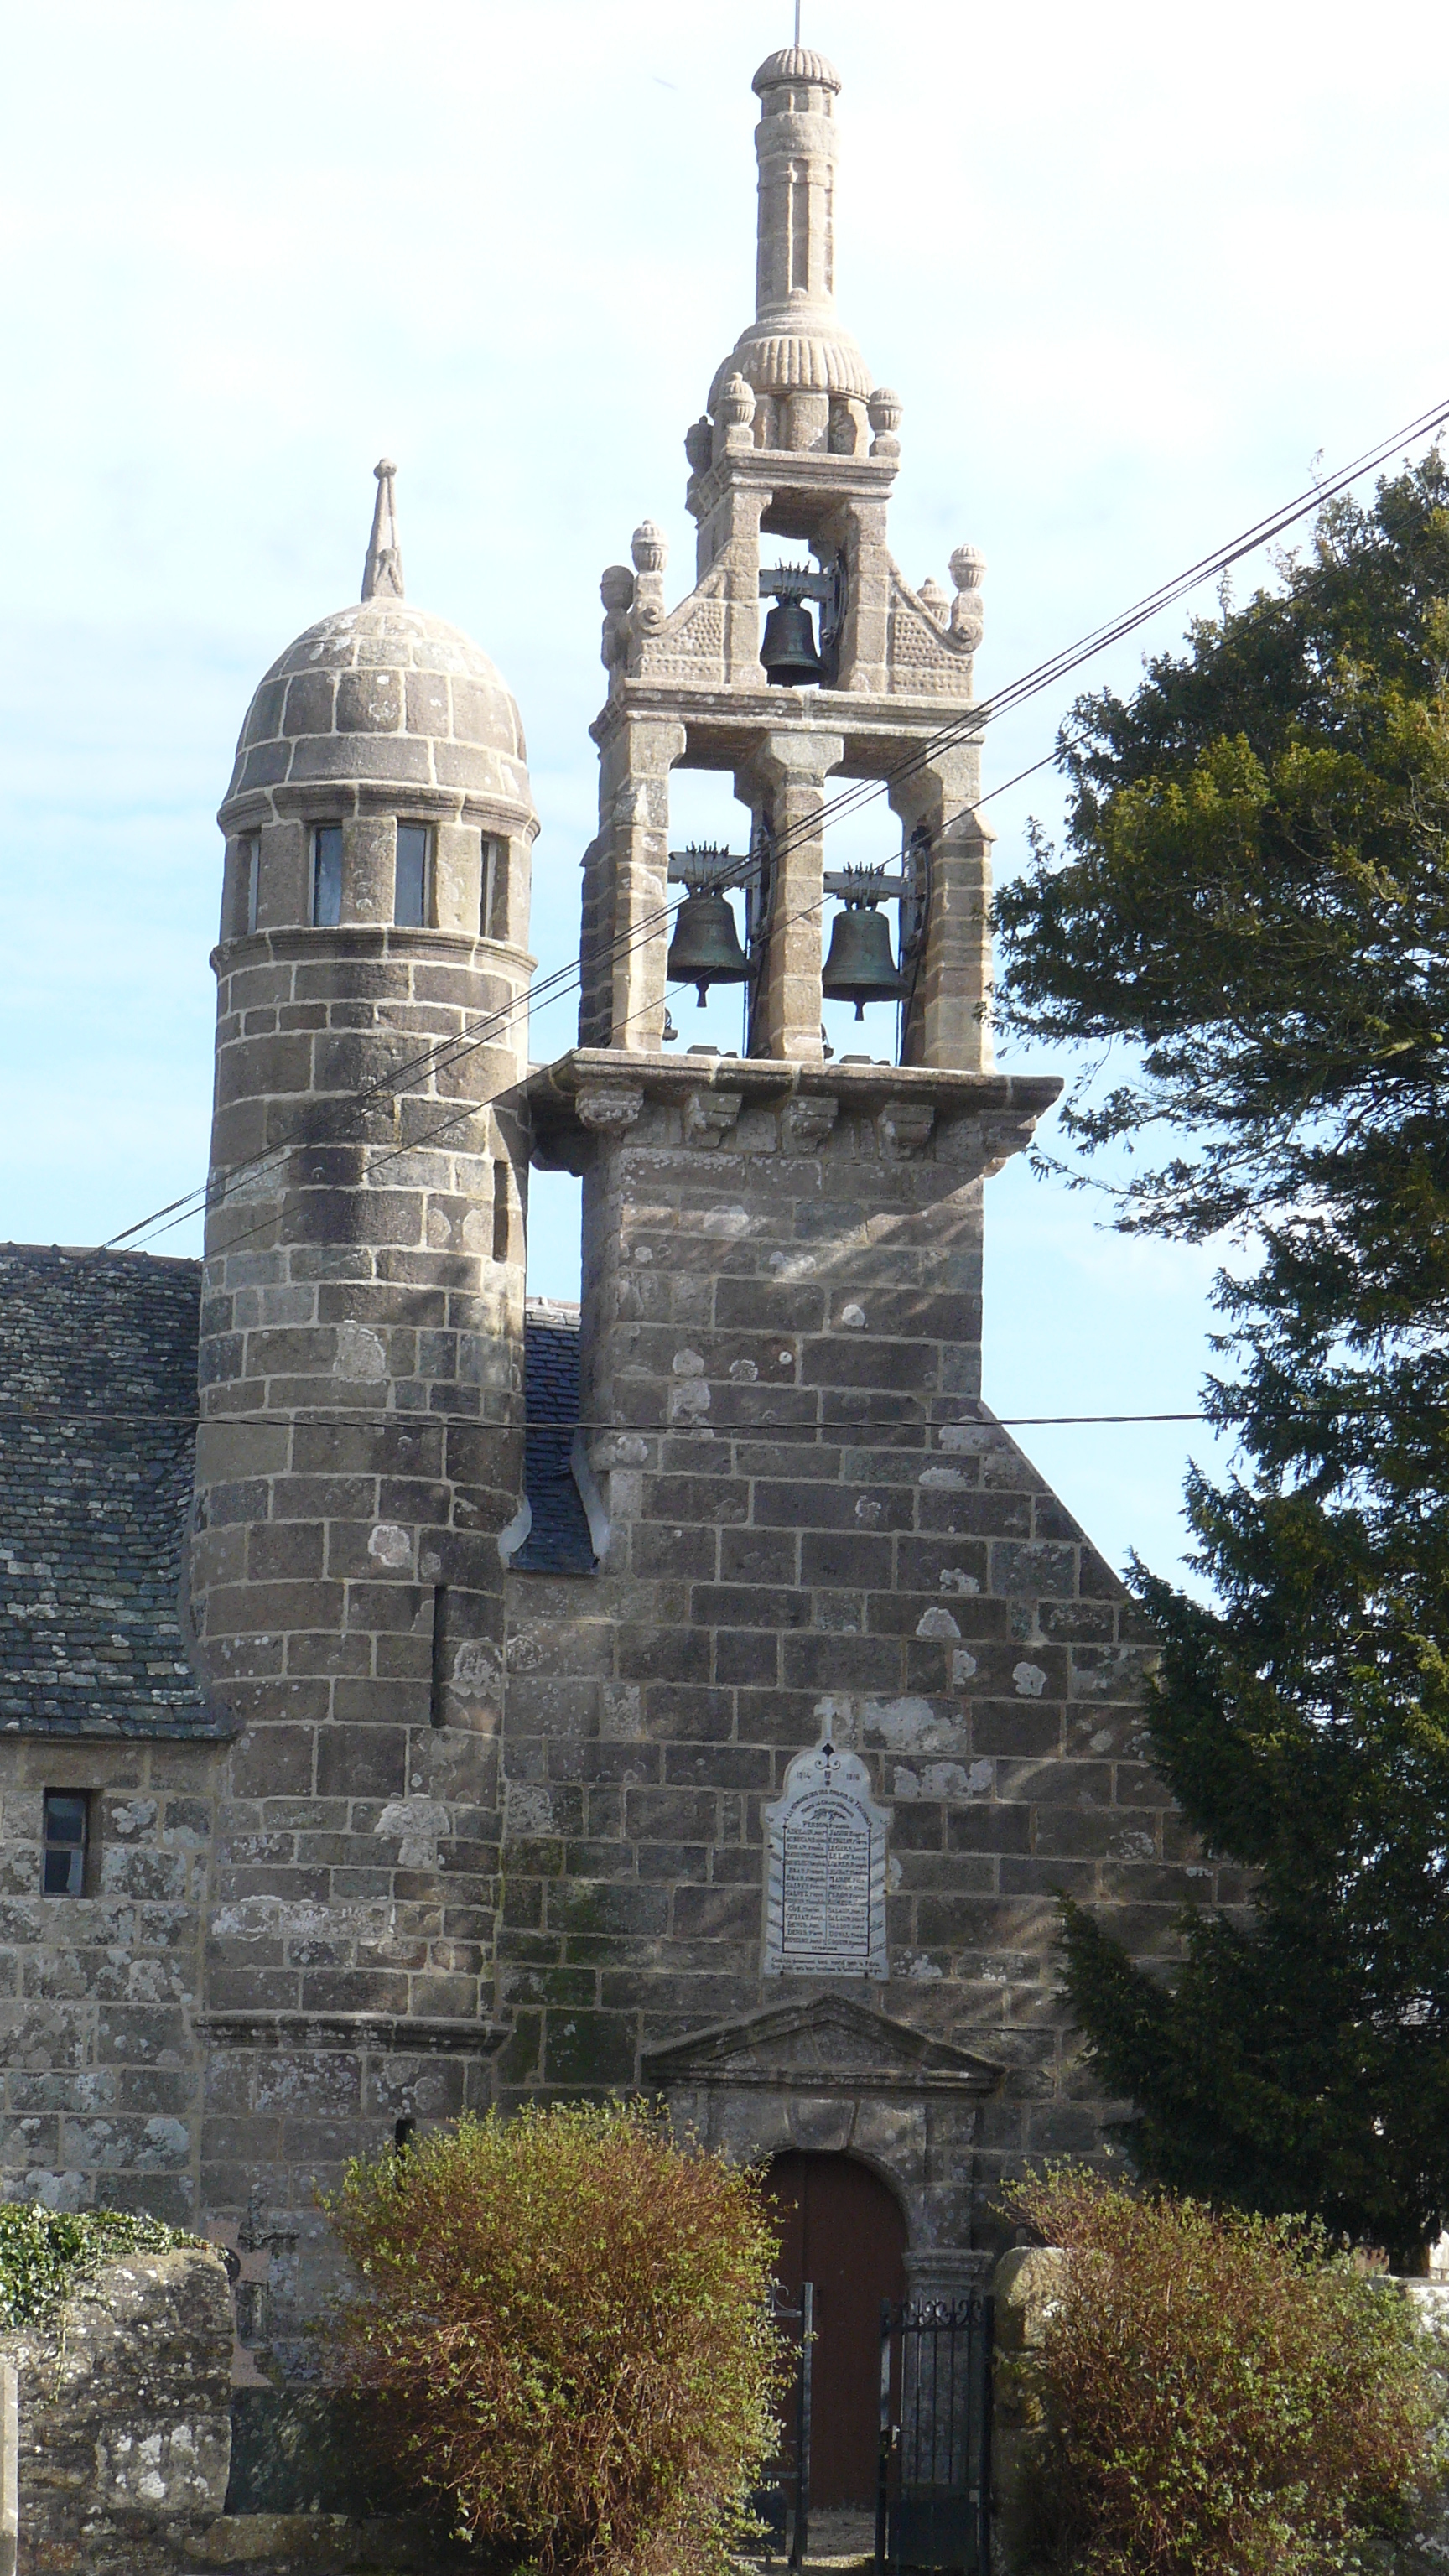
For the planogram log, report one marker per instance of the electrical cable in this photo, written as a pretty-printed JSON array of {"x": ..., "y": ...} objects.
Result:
[
  {"x": 763, "y": 1430},
  {"x": 971, "y": 723}
]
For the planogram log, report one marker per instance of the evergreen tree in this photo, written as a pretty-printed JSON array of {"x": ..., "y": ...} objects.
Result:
[{"x": 1254, "y": 900}]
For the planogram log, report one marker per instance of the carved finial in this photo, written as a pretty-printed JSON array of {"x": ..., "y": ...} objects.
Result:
[
  {"x": 885, "y": 419},
  {"x": 382, "y": 574},
  {"x": 649, "y": 547},
  {"x": 968, "y": 620},
  {"x": 934, "y": 601}
]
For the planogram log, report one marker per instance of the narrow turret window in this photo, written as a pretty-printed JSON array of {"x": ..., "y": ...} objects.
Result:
[
  {"x": 327, "y": 876},
  {"x": 66, "y": 1835},
  {"x": 251, "y": 863},
  {"x": 410, "y": 884},
  {"x": 490, "y": 907}
]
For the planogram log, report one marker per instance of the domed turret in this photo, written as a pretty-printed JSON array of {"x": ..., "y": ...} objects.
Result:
[
  {"x": 360, "y": 1448},
  {"x": 379, "y": 717}
]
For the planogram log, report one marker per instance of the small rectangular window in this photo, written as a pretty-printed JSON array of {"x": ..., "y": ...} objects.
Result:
[
  {"x": 327, "y": 876},
  {"x": 500, "y": 1211},
  {"x": 66, "y": 1835},
  {"x": 410, "y": 885},
  {"x": 251, "y": 881},
  {"x": 490, "y": 906}
]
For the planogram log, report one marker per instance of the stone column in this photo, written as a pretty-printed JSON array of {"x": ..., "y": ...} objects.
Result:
[
  {"x": 946, "y": 2272},
  {"x": 947, "y": 1026},
  {"x": 634, "y": 813},
  {"x": 786, "y": 777}
]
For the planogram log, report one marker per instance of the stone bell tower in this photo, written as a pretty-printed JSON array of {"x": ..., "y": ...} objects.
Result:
[
  {"x": 361, "y": 1381},
  {"x": 822, "y": 1566},
  {"x": 796, "y": 445}
]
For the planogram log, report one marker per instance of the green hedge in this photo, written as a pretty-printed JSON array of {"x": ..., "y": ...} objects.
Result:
[
  {"x": 45, "y": 2254},
  {"x": 1215, "y": 2393}
]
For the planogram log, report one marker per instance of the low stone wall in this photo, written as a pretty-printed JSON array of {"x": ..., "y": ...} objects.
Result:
[
  {"x": 128, "y": 2455},
  {"x": 125, "y": 2419}
]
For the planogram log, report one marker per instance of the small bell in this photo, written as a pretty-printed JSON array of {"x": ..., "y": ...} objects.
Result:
[
  {"x": 706, "y": 947},
  {"x": 860, "y": 967},
  {"x": 788, "y": 649}
]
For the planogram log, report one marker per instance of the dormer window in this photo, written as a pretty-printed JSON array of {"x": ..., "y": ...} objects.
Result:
[
  {"x": 410, "y": 885},
  {"x": 327, "y": 876}
]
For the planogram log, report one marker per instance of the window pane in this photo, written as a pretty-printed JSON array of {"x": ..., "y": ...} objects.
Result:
[
  {"x": 410, "y": 895},
  {"x": 254, "y": 871},
  {"x": 487, "y": 924},
  {"x": 327, "y": 876},
  {"x": 65, "y": 1843}
]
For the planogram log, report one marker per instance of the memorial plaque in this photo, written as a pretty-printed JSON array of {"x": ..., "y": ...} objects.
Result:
[{"x": 825, "y": 1880}]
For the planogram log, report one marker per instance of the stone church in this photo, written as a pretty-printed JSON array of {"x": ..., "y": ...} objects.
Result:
[{"x": 412, "y": 1698}]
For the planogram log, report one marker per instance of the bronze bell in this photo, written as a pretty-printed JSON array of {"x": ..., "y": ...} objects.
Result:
[
  {"x": 860, "y": 967},
  {"x": 788, "y": 650},
  {"x": 706, "y": 947}
]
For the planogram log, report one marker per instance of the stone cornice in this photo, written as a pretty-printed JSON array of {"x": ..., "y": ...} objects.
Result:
[
  {"x": 600, "y": 1093},
  {"x": 388, "y": 942},
  {"x": 751, "y": 712},
  {"x": 390, "y": 2034},
  {"x": 768, "y": 470}
]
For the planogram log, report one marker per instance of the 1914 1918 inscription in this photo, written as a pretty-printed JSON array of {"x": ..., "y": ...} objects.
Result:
[{"x": 825, "y": 1884}]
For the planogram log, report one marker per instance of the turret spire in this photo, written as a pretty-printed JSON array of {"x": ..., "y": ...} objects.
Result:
[{"x": 382, "y": 574}]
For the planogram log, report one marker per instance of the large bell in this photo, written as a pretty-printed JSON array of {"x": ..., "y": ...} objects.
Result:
[
  {"x": 788, "y": 649},
  {"x": 860, "y": 967},
  {"x": 706, "y": 947}
]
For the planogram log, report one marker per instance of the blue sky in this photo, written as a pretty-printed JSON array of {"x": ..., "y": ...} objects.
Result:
[{"x": 1130, "y": 271}]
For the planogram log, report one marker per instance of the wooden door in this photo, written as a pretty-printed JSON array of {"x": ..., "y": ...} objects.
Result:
[{"x": 844, "y": 2231}]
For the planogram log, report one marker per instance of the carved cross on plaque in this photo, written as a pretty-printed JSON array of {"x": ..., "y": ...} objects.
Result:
[{"x": 825, "y": 1871}]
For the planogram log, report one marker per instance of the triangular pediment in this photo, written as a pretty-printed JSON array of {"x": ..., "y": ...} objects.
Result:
[{"x": 821, "y": 2044}]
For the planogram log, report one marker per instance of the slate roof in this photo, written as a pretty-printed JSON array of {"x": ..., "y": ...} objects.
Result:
[
  {"x": 97, "y": 1449},
  {"x": 558, "y": 1541},
  {"x": 97, "y": 1390}
]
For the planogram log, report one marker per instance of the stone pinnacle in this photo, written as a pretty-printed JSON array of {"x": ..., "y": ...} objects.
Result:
[{"x": 382, "y": 574}]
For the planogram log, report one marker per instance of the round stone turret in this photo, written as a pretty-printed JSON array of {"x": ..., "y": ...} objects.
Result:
[{"x": 360, "y": 1450}]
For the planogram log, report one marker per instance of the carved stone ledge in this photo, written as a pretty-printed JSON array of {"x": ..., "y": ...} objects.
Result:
[
  {"x": 904, "y": 1126},
  {"x": 379, "y": 2034},
  {"x": 805, "y": 1123},
  {"x": 608, "y": 1109},
  {"x": 709, "y": 1115}
]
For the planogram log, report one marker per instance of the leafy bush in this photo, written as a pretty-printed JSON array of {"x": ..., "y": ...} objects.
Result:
[
  {"x": 47, "y": 2254},
  {"x": 565, "y": 2316},
  {"x": 1215, "y": 2395}
]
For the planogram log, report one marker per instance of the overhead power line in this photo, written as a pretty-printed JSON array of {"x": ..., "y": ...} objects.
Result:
[
  {"x": 892, "y": 1433},
  {"x": 851, "y": 799}
]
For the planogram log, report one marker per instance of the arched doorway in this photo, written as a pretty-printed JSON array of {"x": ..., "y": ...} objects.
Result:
[{"x": 843, "y": 2230}]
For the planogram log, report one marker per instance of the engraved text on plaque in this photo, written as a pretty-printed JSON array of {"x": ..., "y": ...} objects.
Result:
[{"x": 825, "y": 1884}]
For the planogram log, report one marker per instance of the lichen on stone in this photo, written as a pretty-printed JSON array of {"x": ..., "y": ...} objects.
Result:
[{"x": 46, "y": 2254}]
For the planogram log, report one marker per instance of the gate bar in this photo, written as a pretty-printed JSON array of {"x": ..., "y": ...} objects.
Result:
[{"x": 800, "y": 2537}]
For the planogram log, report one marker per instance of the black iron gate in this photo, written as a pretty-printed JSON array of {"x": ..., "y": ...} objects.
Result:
[
  {"x": 781, "y": 2503},
  {"x": 933, "y": 2501}
]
